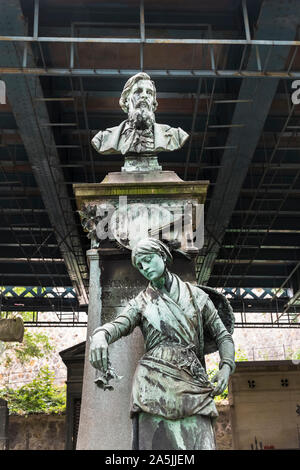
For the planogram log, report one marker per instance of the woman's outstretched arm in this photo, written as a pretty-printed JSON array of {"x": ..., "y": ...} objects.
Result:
[{"x": 110, "y": 332}]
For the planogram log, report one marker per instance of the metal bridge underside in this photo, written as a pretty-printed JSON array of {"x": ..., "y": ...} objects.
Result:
[{"x": 224, "y": 71}]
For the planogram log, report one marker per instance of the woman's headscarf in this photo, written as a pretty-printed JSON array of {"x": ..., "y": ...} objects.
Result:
[{"x": 150, "y": 246}]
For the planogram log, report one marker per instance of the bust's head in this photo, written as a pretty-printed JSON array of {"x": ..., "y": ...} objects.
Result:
[
  {"x": 138, "y": 91},
  {"x": 151, "y": 257}
]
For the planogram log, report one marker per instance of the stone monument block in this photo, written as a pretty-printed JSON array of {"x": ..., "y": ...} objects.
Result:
[
  {"x": 136, "y": 217},
  {"x": 113, "y": 282}
]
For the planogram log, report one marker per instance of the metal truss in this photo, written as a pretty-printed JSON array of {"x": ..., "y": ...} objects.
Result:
[
  {"x": 61, "y": 302},
  {"x": 64, "y": 304},
  {"x": 126, "y": 73},
  {"x": 67, "y": 320},
  {"x": 270, "y": 302},
  {"x": 274, "y": 321},
  {"x": 257, "y": 294},
  {"x": 44, "y": 299},
  {"x": 279, "y": 308},
  {"x": 213, "y": 45}
]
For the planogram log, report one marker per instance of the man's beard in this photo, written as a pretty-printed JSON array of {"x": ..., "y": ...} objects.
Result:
[{"x": 142, "y": 117}]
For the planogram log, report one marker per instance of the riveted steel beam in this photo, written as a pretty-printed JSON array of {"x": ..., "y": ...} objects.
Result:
[
  {"x": 32, "y": 118},
  {"x": 276, "y": 19},
  {"x": 161, "y": 73}
]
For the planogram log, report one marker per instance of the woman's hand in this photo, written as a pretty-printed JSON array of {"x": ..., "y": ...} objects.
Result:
[
  {"x": 221, "y": 378},
  {"x": 99, "y": 351}
]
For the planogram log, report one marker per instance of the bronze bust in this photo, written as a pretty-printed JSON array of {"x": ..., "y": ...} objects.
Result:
[{"x": 139, "y": 134}]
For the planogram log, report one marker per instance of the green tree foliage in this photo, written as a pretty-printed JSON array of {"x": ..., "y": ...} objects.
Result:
[
  {"x": 292, "y": 354},
  {"x": 240, "y": 355},
  {"x": 34, "y": 345},
  {"x": 38, "y": 396}
]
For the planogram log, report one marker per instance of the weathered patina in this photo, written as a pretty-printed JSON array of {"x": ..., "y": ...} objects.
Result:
[
  {"x": 171, "y": 392},
  {"x": 139, "y": 137}
]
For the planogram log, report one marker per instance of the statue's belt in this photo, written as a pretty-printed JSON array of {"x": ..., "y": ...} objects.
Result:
[{"x": 177, "y": 357}]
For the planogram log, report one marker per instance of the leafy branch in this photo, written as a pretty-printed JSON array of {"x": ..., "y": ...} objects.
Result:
[
  {"x": 38, "y": 396},
  {"x": 34, "y": 345}
]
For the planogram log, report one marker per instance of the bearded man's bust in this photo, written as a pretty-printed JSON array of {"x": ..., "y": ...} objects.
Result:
[{"x": 139, "y": 133}]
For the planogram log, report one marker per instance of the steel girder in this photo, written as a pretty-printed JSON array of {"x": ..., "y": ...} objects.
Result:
[
  {"x": 276, "y": 18},
  {"x": 66, "y": 311},
  {"x": 31, "y": 116}
]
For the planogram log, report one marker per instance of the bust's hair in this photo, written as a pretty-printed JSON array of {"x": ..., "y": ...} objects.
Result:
[
  {"x": 151, "y": 246},
  {"x": 128, "y": 86}
]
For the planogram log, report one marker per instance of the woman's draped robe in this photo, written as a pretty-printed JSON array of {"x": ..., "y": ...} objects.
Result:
[{"x": 170, "y": 380}]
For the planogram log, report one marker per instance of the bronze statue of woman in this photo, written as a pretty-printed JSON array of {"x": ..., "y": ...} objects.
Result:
[{"x": 172, "y": 397}]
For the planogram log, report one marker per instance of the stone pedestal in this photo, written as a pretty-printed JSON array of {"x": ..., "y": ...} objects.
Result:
[
  {"x": 172, "y": 207},
  {"x": 104, "y": 418},
  {"x": 142, "y": 163}
]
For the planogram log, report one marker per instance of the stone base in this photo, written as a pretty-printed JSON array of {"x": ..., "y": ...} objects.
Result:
[
  {"x": 104, "y": 419},
  {"x": 141, "y": 177},
  {"x": 172, "y": 209},
  {"x": 137, "y": 185},
  {"x": 137, "y": 163}
]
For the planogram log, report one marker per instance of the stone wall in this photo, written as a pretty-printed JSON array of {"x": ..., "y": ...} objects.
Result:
[
  {"x": 262, "y": 344},
  {"x": 264, "y": 398},
  {"x": 60, "y": 338},
  {"x": 36, "y": 432},
  {"x": 223, "y": 427},
  {"x": 47, "y": 432}
]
